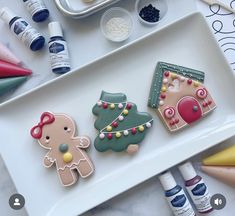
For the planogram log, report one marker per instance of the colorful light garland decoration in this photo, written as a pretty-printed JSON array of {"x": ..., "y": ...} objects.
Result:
[{"x": 107, "y": 131}]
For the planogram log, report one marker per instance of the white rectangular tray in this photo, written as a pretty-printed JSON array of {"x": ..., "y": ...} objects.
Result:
[{"x": 187, "y": 42}]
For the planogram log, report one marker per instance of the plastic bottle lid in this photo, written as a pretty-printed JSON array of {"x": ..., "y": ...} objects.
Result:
[
  {"x": 167, "y": 180},
  {"x": 187, "y": 171},
  {"x": 55, "y": 29},
  {"x": 6, "y": 14}
]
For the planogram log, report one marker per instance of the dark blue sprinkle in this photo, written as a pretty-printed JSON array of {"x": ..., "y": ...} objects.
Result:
[{"x": 150, "y": 13}]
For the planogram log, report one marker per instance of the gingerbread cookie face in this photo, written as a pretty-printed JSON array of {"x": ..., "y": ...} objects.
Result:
[
  {"x": 56, "y": 133},
  {"x": 179, "y": 95},
  {"x": 121, "y": 127}
]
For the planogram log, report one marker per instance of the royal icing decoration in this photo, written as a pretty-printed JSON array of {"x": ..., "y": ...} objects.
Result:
[
  {"x": 169, "y": 112},
  {"x": 161, "y": 102},
  {"x": 99, "y": 103},
  {"x": 67, "y": 157},
  {"x": 183, "y": 99},
  {"x": 120, "y": 106},
  {"x": 165, "y": 81},
  {"x": 201, "y": 93},
  {"x": 63, "y": 148},
  {"x": 109, "y": 128},
  {"x": 105, "y": 105},
  {"x": 102, "y": 136},
  {"x": 128, "y": 125},
  {"x": 112, "y": 106},
  {"x": 120, "y": 118},
  {"x": 125, "y": 112},
  {"x": 56, "y": 133}
]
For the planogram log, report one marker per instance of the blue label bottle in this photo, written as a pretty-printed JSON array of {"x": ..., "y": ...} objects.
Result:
[
  {"x": 58, "y": 49},
  {"x": 196, "y": 188},
  {"x": 37, "y": 9},
  {"x": 23, "y": 30},
  {"x": 175, "y": 196}
]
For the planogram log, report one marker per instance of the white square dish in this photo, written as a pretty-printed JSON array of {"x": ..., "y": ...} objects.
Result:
[{"x": 187, "y": 42}]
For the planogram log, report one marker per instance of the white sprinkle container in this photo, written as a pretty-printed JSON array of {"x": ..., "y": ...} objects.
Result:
[{"x": 116, "y": 24}]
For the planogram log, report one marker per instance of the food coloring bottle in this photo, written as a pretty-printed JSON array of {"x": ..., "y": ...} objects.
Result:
[
  {"x": 37, "y": 9},
  {"x": 196, "y": 188},
  {"x": 59, "y": 55},
  {"x": 23, "y": 30},
  {"x": 175, "y": 196}
]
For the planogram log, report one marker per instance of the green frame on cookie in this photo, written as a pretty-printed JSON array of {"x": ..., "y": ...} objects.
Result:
[{"x": 155, "y": 91}]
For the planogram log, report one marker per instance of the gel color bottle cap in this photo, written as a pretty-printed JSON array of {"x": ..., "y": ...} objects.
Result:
[
  {"x": 22, "y": 29},
  {"x": 37, "y": 9},
  {"x": 175, "y": 196},
  {"x": 55, "y": 29},
  {"x": 196, "y": 188}
]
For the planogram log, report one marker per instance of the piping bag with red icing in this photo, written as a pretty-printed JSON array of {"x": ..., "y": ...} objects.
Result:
[
  {"x": 179, "y": 96},
  {"x": 12, "y": 70},
  {"x": 7, "y": 55}
]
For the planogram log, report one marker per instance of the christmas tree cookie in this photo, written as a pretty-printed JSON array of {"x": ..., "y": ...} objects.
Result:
[
  {"x": 179, "y": 96},
  {"x": 121, "y": 127}
]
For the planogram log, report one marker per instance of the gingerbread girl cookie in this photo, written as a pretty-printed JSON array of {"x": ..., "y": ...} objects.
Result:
[
  {"x": 121, "y": 127},
  {"x": 55, "y": 132},
  {"x": 179, "y": 96}
]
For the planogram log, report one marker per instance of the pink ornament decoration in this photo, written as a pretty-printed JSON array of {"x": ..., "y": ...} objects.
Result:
[
  {"x": 120, "y": 118},
  {"x": 169, "y": 112},
  {"x": 120, "y": 106},
  {"x": 99, "y": 103},
  {"x": 201, "y": 93},
  {"x": 165, "y": 81},
  {"x": 102, "y": 136}
]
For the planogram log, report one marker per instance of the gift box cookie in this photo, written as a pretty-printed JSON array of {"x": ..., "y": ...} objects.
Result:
[{"x": 179, "y": 96}]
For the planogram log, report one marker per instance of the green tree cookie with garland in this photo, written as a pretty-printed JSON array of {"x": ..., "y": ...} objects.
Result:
[{"x": 121, "y": 127}]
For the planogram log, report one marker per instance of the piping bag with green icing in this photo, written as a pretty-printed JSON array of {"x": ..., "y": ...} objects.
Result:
[{"x": 6, "y": 84}]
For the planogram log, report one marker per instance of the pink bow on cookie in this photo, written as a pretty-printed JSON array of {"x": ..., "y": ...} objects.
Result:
[{"x": 46, "y": 118}]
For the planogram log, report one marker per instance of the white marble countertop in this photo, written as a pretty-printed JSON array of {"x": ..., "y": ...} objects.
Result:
[{"x": 146, "y": 198}]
